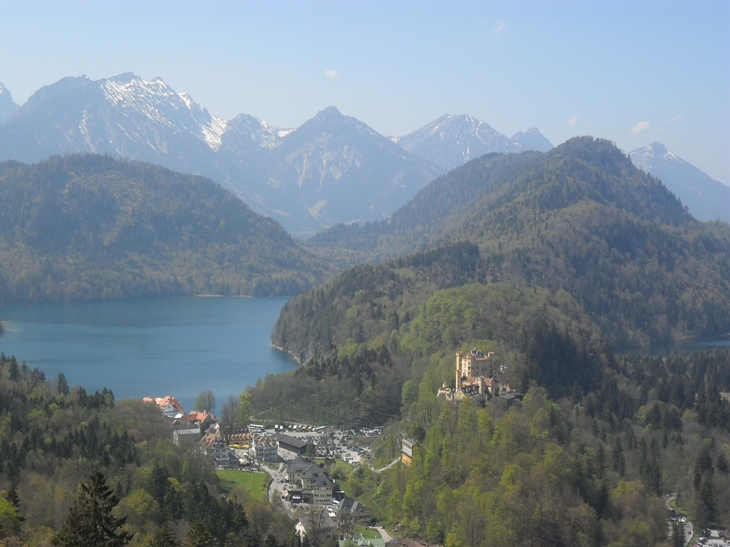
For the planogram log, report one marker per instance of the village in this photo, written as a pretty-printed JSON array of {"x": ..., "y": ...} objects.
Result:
[{"x": 287, "y": 453}]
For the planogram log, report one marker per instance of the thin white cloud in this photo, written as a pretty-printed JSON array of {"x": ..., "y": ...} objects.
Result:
[
  {"x": 331, "y": 74},
  {"x": 573, "y": 120},
  {"x": 675, "y": 119},
  {"x": 499, "y": 27},
  {"x": 640, "y": 127}
]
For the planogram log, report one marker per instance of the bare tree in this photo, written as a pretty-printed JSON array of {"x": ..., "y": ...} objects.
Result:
[
  {"x": 314, "y": 518},
  {"x": 205, "y": 401},
  {"x": 230, "y": 417},
  {"x": 346, "y": 524}
]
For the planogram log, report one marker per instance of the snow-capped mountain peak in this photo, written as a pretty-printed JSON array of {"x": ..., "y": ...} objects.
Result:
[
  {"x": 706, "y": 198},
  {"x": 161, "y": 105},
  {"x": 455, "y": 139}
]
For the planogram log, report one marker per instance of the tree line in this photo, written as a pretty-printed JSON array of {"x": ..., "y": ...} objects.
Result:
[{"x": 81, "y": 468}]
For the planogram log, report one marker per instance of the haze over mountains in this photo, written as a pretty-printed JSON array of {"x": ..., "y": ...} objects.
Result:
[
  {"x": 453, "y": 140},
  {"x": 579, "y": 218},
  {"x": 331, "y": 169},
  {"x": 706, "y": 198},
  {"x": 7, "y": 106},
  {"x": 90, "y": 227}
]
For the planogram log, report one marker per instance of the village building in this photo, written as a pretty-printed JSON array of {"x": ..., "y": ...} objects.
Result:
[
  {"x": 358, "y": 513},
  {"x": 296, "y": 467},
  {"x": 267, "y": 449},
  {"x": 317, "y": 487},
  {"x": 317, "y": 527},
  {"x": 204, "y": 419},
  {"x": 213, "y": 446},
  {"x": 240, "y": 435},
  {"x": 407, "y": 451},
  {"x": 292, "y": 444},
  {"x": 169, "y": 406},
  {"x": 309, "y": 482},
  {"x": 186, "y": 436}
]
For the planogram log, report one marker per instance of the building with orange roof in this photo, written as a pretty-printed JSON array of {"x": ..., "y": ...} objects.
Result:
[{"x": 169, "y": 406}]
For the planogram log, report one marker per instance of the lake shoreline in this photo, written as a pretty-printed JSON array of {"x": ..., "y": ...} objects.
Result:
[
  {"x": 164, "y": 345},
  {"x": 289, "y": 353}
]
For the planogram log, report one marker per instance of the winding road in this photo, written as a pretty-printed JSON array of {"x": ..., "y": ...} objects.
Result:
[{"x": 688, "y": 529}]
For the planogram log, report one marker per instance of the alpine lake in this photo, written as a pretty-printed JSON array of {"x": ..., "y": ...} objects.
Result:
[{"x": 176, "y": 346}]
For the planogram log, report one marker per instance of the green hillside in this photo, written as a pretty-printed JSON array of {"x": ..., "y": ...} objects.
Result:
[
  {"x": 550, "y": 261},
  {"x": 580, "y": 218},
  {"x": 89, "y": 227}
]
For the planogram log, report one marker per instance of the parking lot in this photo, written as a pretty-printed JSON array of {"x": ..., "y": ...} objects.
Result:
[
  {"x": 715, "y": 538},
  {"x": 331, "y": 442}
]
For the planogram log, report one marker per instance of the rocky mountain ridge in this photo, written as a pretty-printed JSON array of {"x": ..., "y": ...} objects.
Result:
[
  {"x": 452, "y": 140},
  {"x": 332, "y": 169}
]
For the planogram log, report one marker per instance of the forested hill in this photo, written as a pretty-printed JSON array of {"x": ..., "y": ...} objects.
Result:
[
  {"x": 580, "y": 218},
  {"x": 88, "y": 227},
  {"x": 581, "y": 169}
]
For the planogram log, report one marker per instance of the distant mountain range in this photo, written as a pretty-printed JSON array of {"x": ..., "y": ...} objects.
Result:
[
  {"x": 453, "y": 140},
  {"x": 7, "y": 106},
  {"x": 579, "y": 218},
  {"x": 332, "y": 169},
  {"x": 706, "y": 198}
]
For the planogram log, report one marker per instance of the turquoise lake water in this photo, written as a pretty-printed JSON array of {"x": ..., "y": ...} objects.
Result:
[
  {"x": 683, "y": 346},
  {"x": 156, "y": 346},
  {"x": 167, "y": 346}
]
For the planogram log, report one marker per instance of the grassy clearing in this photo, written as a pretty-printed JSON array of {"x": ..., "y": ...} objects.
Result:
[
  {"x": 368, "y": 533},
  {"x": 252, "y": 482}
]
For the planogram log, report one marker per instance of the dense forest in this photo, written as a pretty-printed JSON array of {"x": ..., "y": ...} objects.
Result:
[
  {"x": 54, "y": 437},
  {"x": 580, "y": 218},
  {"x": 553, "y": 262},
  {"x": 586, "y": 459},
  {"x": 90, "y": 227},
  {"x": 536, "y": 335},
  {"x": 584, "y": 469}
]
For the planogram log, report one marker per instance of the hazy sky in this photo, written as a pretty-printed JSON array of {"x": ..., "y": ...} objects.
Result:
[{"x": 633, "y": 72}]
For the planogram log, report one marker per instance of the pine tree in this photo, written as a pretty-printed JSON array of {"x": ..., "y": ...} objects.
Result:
[
  {"x": 619, "y": 463},
  {"x": 722, "y": 465},
  {"x": 678, "y": 534},
  {"x": 600, "y": 460},
  {"x": 90, "y": 522},
  {"x": 706, "y": 507},
  {"x": 164, "y": 537},
  {"x": 198, "y": 536},
  {"x": 61, "y": 384}
]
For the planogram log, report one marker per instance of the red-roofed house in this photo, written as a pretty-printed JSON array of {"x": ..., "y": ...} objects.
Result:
[{"x": 169, "y": 406}]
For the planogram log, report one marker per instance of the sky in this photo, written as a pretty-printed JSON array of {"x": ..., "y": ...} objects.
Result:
[{"x": 633, "y": 72}]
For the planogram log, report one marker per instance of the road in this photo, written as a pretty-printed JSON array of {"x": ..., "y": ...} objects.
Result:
[
  {"x": 391, "y": 464},
  {"x": 688, "y": 529}
]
